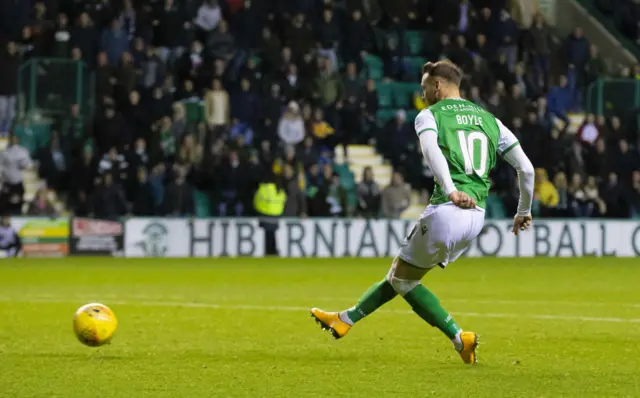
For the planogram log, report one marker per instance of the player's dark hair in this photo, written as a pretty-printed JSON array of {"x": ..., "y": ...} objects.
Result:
[{"x": 445, "y": 70}]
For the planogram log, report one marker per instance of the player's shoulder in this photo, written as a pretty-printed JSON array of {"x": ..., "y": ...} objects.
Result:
[{"x": 425, "y": 121}]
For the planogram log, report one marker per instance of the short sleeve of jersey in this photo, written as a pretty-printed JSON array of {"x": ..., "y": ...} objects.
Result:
[
  {"x": 507, "y": 140},
  {"x": 425, "y": 122}
]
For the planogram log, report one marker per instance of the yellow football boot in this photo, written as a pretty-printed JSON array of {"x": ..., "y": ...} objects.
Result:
[
  {"x": 331, "y": 321},
  {"x": 470, "y": 342}
]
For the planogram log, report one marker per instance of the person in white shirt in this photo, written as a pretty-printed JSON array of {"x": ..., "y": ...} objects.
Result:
[
  {"x": 291, "y": 125},
  {"x": 13, "y": 160},
  {"x": 10, "y": 242}
]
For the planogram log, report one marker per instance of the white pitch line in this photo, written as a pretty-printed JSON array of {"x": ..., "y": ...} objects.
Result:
[{"x": 300, "y": 309}]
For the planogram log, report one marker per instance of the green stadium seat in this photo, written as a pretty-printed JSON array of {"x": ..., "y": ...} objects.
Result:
[
  {"x": 414, "y": 64},
  {"x": 414, "y": 40},
  {"x": 202, "y": 204},
  {"x": 385, "y": 94},
  {"x": 33, "y": 136},
  {"x": 403, "y": 94},
  {"x": 495, "y": 207},
  {"x": 384, "y": 115},
  {"x": 411, "y": 114},
  {"x": 373, "y": 67}
]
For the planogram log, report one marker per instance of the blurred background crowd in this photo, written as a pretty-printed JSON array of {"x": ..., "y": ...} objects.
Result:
[{"x": 185, "y": 107}]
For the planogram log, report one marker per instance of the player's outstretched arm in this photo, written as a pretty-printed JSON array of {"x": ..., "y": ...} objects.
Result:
[
  {"x": 512, "y": 153},
  {"x": 519, "y": 160}
]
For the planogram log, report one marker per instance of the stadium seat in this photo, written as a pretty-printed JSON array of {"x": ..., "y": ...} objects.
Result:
[
  {"x": 373, "y": 66},
  {"x": 414, "y": 41},
  {"x": 403, "y": 94},
  {"x": 384, "y": 115},
  {"x": 202, "y": 204},
  {"x": 495, "y": 207},
  {"x": 385, "y": 94},
  {"x": 414, "y": 66},
  {"x": 34, "y": 136}
]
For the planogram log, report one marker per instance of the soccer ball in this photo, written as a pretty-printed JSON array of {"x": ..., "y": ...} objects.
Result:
[{"x": 94, "y": 324}]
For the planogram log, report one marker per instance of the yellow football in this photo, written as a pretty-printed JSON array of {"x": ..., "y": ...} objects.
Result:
[{"x": 94, "y": 324}]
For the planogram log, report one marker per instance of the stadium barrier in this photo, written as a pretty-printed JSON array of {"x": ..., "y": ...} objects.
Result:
[{"x": 229, "y": 237}]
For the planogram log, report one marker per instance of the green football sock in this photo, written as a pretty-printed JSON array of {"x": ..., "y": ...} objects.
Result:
[
  {"x": 427, "y": 306},
  {"x": 371, "y": 300}
]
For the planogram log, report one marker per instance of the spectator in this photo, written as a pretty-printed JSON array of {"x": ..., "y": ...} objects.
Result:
[
  {"x": 81, "y": 205},
  {"x": 368, "y": 193},
  {"x": 626, "y": 163},
  {"x": 336, "y": 196},
  {"x": 178, "y": 198},
  {"x": 245, "y": 104},
  {"x": 516, "y": 105},
  {"x": 579, "y": 202},
  {"x": 291, "y": 126},
  {"x": 561, "y": 186},
  {"x": 299, "y": 35},
  {"x": 233, "y": 185},
  {"x": 62, "y": 38},
  {"x": 560, "y": 99},
  {"x": 53, "y": 164},
  {"x": 614, "y": 197},
  {"x": 217, "y": 108},
  {"x": 577, "y": 50},
  {"x": 295, "y": 205},
  {"x": 221, "y": 42},
  {"x": 634, "y": 194},
  {"x": 396, "y": 197},
  {"x": 85, "y": 171},
  {"x": 545, "y": 193},
  {"x": 595, "y": 66},
  {"x": 321, "y": 130},
  {"x": 142, "y": 199},
  {"x": 9, "y": 63},
  {"x": 114, "y": 41},
  {"x": 171, "y": 31},
  {"x": 588, "y": 132},
  {"x": 85, "y": 36},
  {"x": 115, "y": 164},
  {"x": 13, "y": 160},
  {"x": 540, "y": 49},
  {"x": 308, "y": 154},
  {"x": 41, "y": 205},
  {"x": 109, "y": 199},
  {"x": 208, "y": 18},
  {"x": 355, "y": 39},
  {"x": 593, "y": 196},
  {"x": 328, "y": 89},
  {"x": 599, "y": 162}
]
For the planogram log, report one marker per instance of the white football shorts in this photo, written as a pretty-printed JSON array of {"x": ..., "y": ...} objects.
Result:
[{"x": 441, "y": 235}]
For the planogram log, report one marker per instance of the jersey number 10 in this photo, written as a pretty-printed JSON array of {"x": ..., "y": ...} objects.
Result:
[{"x": 475, "y": 152}]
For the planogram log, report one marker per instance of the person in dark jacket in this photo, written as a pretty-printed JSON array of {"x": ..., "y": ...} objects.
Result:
[
  {"x": 9, "y": 64},
  {"x": 368, "y": 195},
  {"x": 109, "y": 200},
  {"x": 114, "y": 41},
  {"x": 296, "y": 204},
  {"x": 142, "y": 199},
  {"x": 178, "y": 197},
  {"x": 85, "y": 36}
]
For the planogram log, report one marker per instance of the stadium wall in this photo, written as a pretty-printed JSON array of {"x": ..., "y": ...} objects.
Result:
[{"x": 298, "y": 238}]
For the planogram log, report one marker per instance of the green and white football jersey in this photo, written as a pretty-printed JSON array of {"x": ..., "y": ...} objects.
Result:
[{"x": 469, "y": 137}]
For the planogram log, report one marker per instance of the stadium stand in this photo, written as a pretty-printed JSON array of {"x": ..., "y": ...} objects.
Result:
[{"x": 166, "y": 107}]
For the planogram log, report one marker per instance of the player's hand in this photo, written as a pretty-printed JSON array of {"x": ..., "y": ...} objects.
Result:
[
  {"x": 521, "y": 223},
  {"x": 462, "y": 200}
]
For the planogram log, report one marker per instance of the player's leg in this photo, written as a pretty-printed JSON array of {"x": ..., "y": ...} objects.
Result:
[
  {"x": 405, "y": 279},
  {"x": 339, "y": 323}
]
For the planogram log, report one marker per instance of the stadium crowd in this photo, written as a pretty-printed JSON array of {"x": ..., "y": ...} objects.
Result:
[{"x": 212, "y": 97}]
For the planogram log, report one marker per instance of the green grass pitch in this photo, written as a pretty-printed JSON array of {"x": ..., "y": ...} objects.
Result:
[{"x": 241, "y": 328}]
